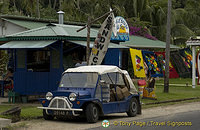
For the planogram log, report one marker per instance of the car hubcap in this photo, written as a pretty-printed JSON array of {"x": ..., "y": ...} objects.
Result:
[
  {"x": 134, "y": 106},
  {"x": 95, "y": 112}
]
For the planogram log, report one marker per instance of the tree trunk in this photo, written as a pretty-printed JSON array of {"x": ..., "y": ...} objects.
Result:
[
  {"x": 38, "y": 8},
  {"x": 54, "y": 4},
  {"x": 167, "y": 50},
  {"x": 50, "y": 3}
]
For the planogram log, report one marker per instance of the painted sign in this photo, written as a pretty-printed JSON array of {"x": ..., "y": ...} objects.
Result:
[
  {"x": 101, "y": 42},
  {"x": 122, "y": 29}
]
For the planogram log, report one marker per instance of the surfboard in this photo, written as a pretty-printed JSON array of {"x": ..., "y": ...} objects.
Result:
[{"x": 102, "y": 41}]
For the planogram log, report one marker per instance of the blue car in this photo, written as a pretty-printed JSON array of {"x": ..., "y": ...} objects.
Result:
[{"x": 92, "y": 91}]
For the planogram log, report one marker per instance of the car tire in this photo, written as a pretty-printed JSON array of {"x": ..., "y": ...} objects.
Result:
[
  {"x": 46, "y": 116},
  {"x": 92, "y": 113},
  {"x": 133, "y": 108}
]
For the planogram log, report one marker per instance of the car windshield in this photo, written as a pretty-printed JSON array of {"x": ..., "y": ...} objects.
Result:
[{"x": 79, "y": 80}]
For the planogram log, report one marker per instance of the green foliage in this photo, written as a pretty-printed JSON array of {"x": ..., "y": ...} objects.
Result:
[{"x": 3, "y": 62}]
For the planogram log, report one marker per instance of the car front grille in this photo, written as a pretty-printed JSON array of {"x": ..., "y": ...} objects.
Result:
[{"x": 59, "y": 102}]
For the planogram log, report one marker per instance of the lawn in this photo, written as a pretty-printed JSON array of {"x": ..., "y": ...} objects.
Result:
[
  {"x": 175, "y": 92},
  {"x": 28, "y": 111}
]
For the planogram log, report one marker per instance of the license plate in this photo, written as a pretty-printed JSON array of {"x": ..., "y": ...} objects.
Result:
[{"x": 60, "y": 113}]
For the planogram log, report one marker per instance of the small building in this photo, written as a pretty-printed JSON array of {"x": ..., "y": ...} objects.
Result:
[{"x": 41, "y": 55}]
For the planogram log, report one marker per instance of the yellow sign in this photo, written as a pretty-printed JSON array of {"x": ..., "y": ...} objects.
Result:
[{"x": 138, "y": 63}]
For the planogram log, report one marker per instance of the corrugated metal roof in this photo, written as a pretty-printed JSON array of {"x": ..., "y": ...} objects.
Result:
[
  {"x": 111, "y": 45},
  {"x": 26, "y": 44},
  {"x": 56, "y": 30},
  {"x": 26, "y": 24},
  {"x": 25, "y": 21},
  {"x": 141, "y": 42}
]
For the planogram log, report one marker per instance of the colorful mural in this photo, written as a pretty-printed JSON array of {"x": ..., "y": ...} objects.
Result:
[
  {"x": 138, "y": 63},
  {"x": 151, "y": 61},
  {"x": 161, "y": 61}
]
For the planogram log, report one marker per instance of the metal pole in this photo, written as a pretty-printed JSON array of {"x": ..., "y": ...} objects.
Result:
[
  {"x": 193, "y": 66},
  {"x": 88, "y": 40}
]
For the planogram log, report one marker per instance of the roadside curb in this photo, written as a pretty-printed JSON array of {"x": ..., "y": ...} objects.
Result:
[
  {"x": 4, "y": 122},
  {"x": 168, "y": 101}
]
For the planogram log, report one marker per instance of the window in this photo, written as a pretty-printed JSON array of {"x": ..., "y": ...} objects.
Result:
[
  {"x": 55, "y": 59},
  {"x": 79, "y": 80},
  {"x": 21, "y": 55},
  {"x": 38, "y": 61},
  {"x": 113, "y": 78}
]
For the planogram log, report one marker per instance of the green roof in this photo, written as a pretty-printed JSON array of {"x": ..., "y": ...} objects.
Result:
[
  {"x": 32, "y": 22},
  {"x": 26, "y": 44},
  {"x": 54, "y": 30},
  {"x": 26, "y": 24},
  {"x": 111, "y": 45},
  {"x": 141, "y": 42}
]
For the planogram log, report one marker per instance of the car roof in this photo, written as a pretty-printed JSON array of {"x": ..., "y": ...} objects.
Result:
[{"x": 100, "y": 69}]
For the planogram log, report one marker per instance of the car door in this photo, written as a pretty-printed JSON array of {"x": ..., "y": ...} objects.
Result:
[{"x": 110, "y": 102}]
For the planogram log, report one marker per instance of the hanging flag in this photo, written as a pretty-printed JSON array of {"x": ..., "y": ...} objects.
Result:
[
  {"x": 101, "y": 42},
  {"x": 198, "y": 67},
  {"x": 138, "y": 63}
]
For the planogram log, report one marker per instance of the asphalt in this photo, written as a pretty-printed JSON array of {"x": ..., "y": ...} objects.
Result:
[
  {"x": 4, "y": 122},
  {"x": 162, "y": 111}
]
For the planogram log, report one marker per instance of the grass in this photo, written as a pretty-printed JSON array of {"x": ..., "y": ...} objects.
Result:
[
  {"x": 27, "y": 111},
  {"x": 175, "y": 92}
]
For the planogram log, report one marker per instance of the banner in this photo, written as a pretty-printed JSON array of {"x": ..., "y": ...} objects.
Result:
[
  {"x": 161, "y": 61},
  {"x": 198, "y": 67},
  {"x": 151, "y": 61},
  {"x": 187, "y": 57},
  {"x": 138, "y": 63},
  {"x": 101, "y": 42}
]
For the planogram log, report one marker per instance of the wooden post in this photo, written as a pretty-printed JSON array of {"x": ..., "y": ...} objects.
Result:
[
  {"x": 88, "y": 40},
  {"x": 88, "y": 25},
  {"x": 193, "y": 66}
]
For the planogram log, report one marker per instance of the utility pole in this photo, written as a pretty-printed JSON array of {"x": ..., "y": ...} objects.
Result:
[
  {"x": 88, "y": 40},
  {"x": 167, "y": 50}
]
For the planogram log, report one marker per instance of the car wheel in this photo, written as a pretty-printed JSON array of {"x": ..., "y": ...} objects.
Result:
[
  {"x": 133, "y": 108},
  {"x": 92, "y": 113},
  {"x": 46, "y": 116}
]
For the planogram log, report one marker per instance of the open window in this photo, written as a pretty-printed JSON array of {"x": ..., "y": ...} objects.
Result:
[
  {"x": 38, "y": 61},
  {"x": 114, "y": 87}
]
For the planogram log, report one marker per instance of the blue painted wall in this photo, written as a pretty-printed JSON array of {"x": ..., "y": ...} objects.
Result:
[
  {"x": 34, "y": 83},
  {"x": 113, "y": 57}
]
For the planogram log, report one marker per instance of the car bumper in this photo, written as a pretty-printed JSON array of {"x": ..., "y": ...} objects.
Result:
[{"x": 61, "y": 104}]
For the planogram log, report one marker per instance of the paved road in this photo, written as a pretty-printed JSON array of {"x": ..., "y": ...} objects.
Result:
[
  {"x": 181, "y": 121},
  {"x": 151, "y": 114}
]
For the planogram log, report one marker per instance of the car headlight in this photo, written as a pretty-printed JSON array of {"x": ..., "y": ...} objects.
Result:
[
  {"x": 72, "y": 97},
  {"x": 49, "y": 96}
]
